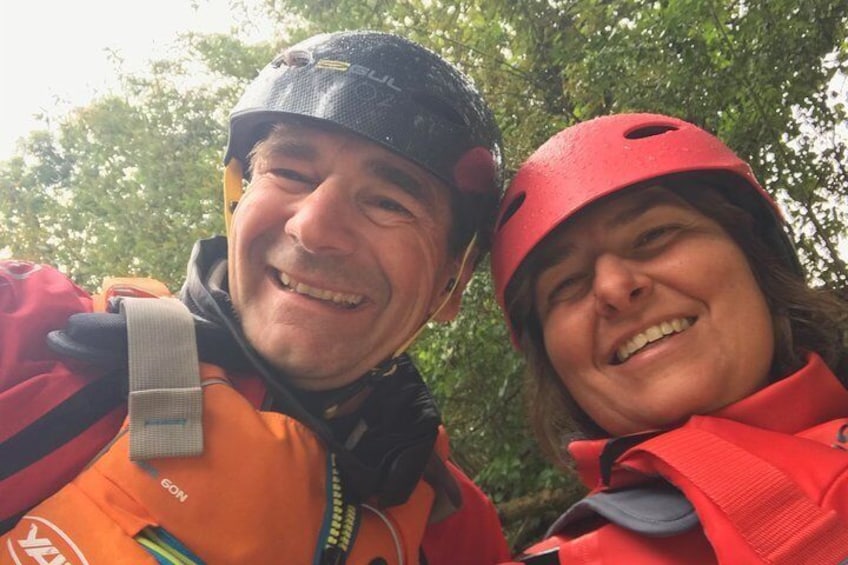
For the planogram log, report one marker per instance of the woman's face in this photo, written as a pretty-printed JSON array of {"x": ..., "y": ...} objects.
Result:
[{"x": 650, "y": 313}]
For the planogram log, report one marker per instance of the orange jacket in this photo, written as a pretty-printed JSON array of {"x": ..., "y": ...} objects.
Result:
[
  {"x": 253, "y": 488},
  {"x": 261, "y": 492}
]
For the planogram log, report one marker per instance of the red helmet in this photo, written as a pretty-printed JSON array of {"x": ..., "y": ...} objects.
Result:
[{"x": 592, "y": 159}]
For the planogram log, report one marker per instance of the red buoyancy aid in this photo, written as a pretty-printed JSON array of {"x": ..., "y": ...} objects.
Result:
[
  {"x": 37, "y": 387},
  {"x": 767, "y": 476},
  {"x": 260, "y": 493}
]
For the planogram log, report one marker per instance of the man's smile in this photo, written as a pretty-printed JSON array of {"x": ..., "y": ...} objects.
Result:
[{"x": 345, "y": 300}]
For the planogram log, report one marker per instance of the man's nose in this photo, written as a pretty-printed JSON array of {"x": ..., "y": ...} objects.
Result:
[
  {"x": 321, "y": 221},
  {"x": 620, "y": 285}
]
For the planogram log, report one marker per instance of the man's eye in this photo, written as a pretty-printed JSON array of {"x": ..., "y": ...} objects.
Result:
[
  {"x": 390, "y": 205},
  {"x": 291, "y": 175},
  {"x": 386, "y": 211}
]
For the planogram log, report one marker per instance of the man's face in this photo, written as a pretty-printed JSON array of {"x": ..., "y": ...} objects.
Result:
[{"x": 338, "y": 254}]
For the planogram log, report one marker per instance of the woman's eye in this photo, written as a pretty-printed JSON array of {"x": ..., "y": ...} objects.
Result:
[
  {"x": 656, "y": 234},
  {"x": 567, "y": 288}
]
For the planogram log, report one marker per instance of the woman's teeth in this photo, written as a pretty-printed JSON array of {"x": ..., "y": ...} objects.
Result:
[{"x": 650, "y": 335}]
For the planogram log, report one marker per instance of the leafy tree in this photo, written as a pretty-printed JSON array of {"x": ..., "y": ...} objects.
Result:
[{"x": 127, "y": 183}]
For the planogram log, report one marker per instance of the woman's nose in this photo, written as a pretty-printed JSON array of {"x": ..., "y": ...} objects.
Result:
[{"x": 619, "y": 285}]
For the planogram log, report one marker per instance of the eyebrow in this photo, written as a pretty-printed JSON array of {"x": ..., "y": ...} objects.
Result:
[
  {"x": 633, "y": 212},
  {"x": 552, "y": 256},
  {"x": 562, "y": 251},
  {"x": 288, "y": 147},
  {"x": 403, "y": 180}
]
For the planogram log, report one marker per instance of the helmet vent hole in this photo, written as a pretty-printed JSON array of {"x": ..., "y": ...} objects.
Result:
[
  {"x": 293, "y": 58},
  {"x": 439, "y": 107},
  {"x": 511, "y": 209},
  {"x": 649, "y": 131}
]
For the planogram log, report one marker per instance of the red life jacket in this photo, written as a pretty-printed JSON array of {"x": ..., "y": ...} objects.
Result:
[{"x": 767, "y": 477}]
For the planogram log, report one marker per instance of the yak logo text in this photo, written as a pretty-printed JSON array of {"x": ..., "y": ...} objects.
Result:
[{"x": 44, "y": 544}]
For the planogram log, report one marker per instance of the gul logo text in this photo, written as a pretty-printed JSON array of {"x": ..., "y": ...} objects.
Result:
[{"x": 359, "y": 70}]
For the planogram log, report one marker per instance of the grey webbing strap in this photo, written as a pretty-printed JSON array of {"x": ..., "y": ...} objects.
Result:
[
  {"x": 655, "y": 510},
  {"x": 165, "y": 400}
]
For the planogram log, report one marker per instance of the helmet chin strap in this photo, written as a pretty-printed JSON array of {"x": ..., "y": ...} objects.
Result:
[
  {"x": 233, "y": 190},
  {"x": 465, "y": 256}
]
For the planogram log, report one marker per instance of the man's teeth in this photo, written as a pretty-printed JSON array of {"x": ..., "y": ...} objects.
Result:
[
  {"x": 341, "y": 298},
  {"x": 650, "y": 335}
]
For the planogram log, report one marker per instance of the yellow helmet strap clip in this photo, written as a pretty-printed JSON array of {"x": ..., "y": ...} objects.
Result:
[{"x": 233, "y": 189}]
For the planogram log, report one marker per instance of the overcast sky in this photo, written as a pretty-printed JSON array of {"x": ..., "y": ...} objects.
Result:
[{"x": 53, "y": 53}]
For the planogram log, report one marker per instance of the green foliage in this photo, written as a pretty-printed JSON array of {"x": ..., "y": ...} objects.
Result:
[
  {"x": 476, "y": 376},
  {"x": 126, "y": 184}
]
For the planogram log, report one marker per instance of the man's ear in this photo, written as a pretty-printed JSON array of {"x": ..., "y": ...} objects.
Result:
[{"x": 455, "y": 285}]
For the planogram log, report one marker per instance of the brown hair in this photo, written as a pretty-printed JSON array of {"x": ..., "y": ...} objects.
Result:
[{"x": 804, "y": 319}]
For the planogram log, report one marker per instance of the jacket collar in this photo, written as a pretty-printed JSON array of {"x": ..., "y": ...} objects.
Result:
[
  {"x": 824, "y": 398},
  {"x": 775, "y": 407}
]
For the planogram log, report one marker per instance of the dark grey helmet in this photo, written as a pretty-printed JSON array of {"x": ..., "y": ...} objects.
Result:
[{"x": 386, "y": 89}]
